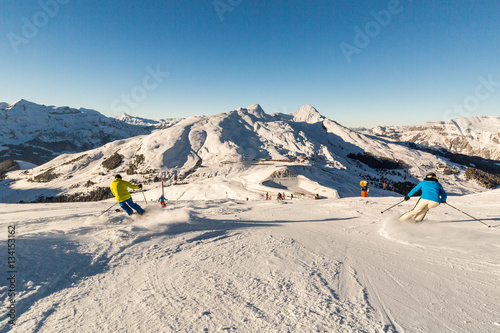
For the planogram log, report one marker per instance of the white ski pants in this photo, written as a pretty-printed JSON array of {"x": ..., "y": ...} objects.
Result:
[{"x": 419, "y": 211}]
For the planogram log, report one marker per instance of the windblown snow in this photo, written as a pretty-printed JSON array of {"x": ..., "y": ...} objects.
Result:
[{"x": 333, "y": 265}]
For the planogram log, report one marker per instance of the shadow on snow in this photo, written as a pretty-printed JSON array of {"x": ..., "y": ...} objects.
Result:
[
  {"x": 44, "y": 266},
  {"x": 50, "y": 263}
]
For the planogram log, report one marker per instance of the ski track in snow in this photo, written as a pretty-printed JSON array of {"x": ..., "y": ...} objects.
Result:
[{"x": 257, "y": 266}]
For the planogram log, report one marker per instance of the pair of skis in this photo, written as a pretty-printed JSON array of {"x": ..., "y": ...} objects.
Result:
[
  {"x": 461, "y": 211},
  {"x": 118, "y": 210}
]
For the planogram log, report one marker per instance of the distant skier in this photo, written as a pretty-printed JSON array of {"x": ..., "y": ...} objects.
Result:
[
  {"x": 364, "y": 188},
  {"x": 433, "y": 194},
  {"x": 123, "y": 197},
  {"x": 162, "y": 200}
]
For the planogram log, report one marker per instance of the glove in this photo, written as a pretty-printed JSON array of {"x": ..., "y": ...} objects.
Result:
[
  {"x": 407, "y": 198},
  {"x": 140, "y": 186}
]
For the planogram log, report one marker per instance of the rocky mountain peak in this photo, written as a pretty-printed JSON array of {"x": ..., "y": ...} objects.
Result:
[{"x": 307, "y": 114}]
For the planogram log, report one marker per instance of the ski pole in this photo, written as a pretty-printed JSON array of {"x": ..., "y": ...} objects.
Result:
[
  {"x": 382, "y": 212},
  {"x": 162, "y": 198},
  {"x": 489, "y": 226},
  {"x": 107, "y": 209},
  {"x": 144, "y": 196}
]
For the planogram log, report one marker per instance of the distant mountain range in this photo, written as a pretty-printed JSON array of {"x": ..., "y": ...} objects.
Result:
[
  {"x": 38, "y": 133},
  {"x": 475, "y": 136},
  {"x": 156, "y": 124},
  {"x": 301, "y": 152}
]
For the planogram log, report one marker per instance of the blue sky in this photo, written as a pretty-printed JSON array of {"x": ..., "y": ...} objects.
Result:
[{"x": 360, "y": 63}]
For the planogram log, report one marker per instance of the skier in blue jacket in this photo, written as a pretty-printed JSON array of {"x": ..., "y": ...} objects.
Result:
[{"x": 433, "y": 194}]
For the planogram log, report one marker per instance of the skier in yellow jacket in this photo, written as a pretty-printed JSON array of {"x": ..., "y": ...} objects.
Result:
[{"x": 123, "y": 197}]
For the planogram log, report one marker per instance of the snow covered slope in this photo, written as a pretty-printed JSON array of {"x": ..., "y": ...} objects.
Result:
[
  {"x": 253, "y": 266},
  {"x": 161, "y": 123},
  {"x": 37, "y": 133},
  {"x": 243, "y": 154},
  {"x": 478, "y": 136}
]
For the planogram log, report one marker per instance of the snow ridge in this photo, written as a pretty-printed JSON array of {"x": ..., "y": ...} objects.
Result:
[{"x": 137, "y": 121}]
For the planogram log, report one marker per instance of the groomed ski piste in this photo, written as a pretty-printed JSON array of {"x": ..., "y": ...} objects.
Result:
[{"x": 227, "y": 265}]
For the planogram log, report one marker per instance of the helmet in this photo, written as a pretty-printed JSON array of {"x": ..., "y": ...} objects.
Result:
[
  {"x": 118, "y": 176},
  {"x": 430, "y": 176}
]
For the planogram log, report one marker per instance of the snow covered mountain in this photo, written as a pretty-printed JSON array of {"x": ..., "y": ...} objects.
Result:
[
  {"x": 477, "y": 136},
  {"x": 160, "y": 123},
  {"x": 229, "y": 264},
  {"x": 37, "y": 133},
  {"x": 246, "y": 153}
]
